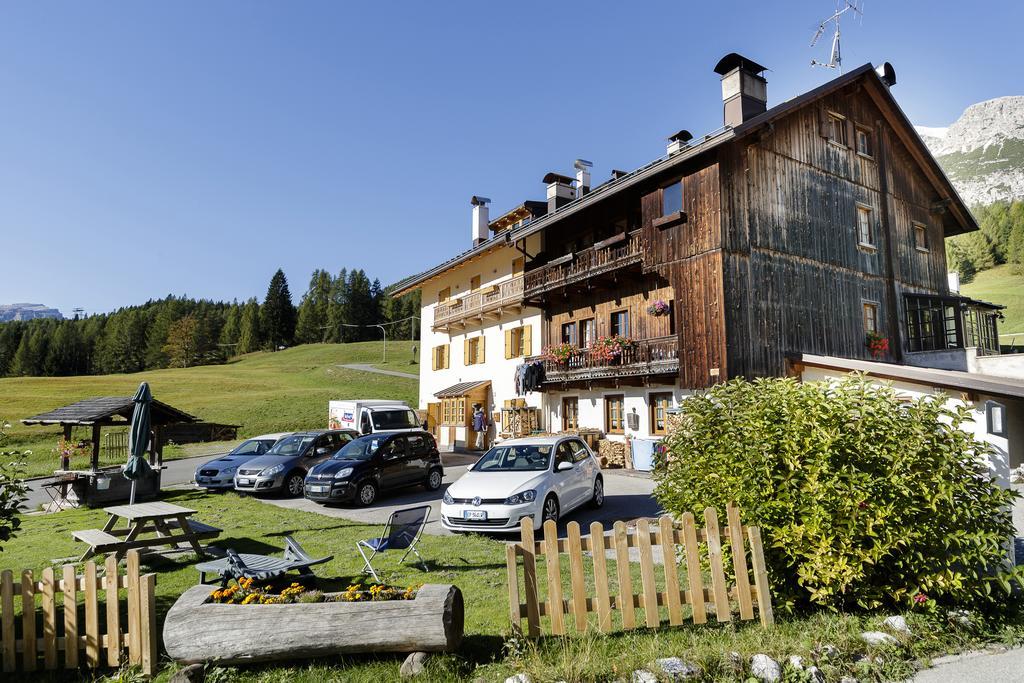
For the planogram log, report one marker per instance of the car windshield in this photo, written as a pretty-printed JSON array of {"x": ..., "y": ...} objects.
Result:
[
  {"x": 292, "y": 445},
  {"x": 400, "y": 418},
  {"x": 360, "y": 449},
  {"x": 532, "y": 458},
  {"x": 249, "y": 447}
]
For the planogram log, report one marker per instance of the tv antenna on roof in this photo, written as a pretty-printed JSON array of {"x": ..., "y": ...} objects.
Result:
[{"x": 836, "y": 57}]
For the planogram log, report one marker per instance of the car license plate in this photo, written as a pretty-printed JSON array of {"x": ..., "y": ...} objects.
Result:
[
  {"x": 474, "y": 514},
  {"x": 317, "y": 489},
  {"x": 244, "y": 482}
]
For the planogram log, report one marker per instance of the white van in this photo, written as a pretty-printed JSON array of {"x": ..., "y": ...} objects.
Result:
[{"x": 369, "y": 416}]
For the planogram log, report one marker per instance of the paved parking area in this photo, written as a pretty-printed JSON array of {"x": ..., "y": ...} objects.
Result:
[{"x": 627, "y": 496}]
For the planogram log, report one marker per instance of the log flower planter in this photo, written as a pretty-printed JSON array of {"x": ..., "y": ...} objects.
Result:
[{"x": 198, "y": 630}]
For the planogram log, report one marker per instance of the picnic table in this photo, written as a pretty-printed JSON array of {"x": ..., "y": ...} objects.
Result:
[{"x": 171, "y": 524}]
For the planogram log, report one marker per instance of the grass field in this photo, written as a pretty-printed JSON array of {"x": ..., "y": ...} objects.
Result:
[
  {"x": 476, "y": 565},
  {"x": 1002, "y": 285},
  {"x": 262, "y": 392}
]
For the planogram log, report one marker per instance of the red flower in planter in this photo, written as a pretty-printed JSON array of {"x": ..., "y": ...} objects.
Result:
[{"x": 877, "y": 344}]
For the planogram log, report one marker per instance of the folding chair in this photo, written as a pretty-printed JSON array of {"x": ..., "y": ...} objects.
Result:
[{"x": 402, "y": 531}]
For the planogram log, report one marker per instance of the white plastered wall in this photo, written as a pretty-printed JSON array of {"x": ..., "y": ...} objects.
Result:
[{"x": 591, "y": 407}]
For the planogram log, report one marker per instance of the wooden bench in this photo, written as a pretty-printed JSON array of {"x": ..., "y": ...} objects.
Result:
[
  {"x": 169, "y": 522},
  {"x": 198, "y": 528},
  {"x": 99, "y": 541}
]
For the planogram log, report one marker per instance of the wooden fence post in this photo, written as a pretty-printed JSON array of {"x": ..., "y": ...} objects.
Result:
[
  {"x": 147, "y": 622},
  {"x": 28, "y": 621},
  {"x": 764, "y": 598},
  {"x": 579, "y": 587},
  {"x": 737, "y": 545},
  {"x": 718, "y": 587},
  {"x": 111, "y": 583},
  {"x": 92, "y": 617},
  {"x": 530, "y": 578},
  {"x": 625, "y": 597},
  {"x": 668, "y": 554},
  {"x": 604, "y": 613},
  {"x": 643, "y": 535},
  {"x": 70, "y": 618},
  {"x": 7, "y": 621},
  {"x": 49, "y": 619},
  {"x": 134, "y": 641},
  {"x": 554, "y": 571},
  {"x": 693, "y": 569}
]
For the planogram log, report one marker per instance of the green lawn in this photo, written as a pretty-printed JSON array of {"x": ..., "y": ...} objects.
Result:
[
  {"x": 262, "y": 392},
  {"x": 1002, "y": 285},
  {"x": 477, "y": 566}
]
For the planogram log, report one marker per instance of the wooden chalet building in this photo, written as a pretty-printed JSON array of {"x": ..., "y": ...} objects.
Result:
[{"x": 797, "y": 229}]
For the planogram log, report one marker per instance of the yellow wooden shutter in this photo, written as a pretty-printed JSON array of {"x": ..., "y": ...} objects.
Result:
[
  {"x": 465, "y": 352},
  {"x": 433, "y": 358},
  {"x": 527, "y": 340},
  {"x": 445, "y": 354},
  {"x": 508, "y": 345},
  {"x": 480, "y": 354}
]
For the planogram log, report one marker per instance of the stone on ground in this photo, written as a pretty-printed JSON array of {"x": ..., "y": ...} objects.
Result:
[
  {"x": 643, "y": 676},
  {"x": 897, "y": 624},
  {"x": 676, "y": 669},
  {"x": 193, "y": 673},
  {"x": 413, "y": 665},
  {"x": 876, "y": 638},
  {"x": 827, "y": 652},
  {"x": 519, "y": 678},
  {"x": 764, "y": 668},
  {"x": 814, "y": 675},
  {"x": 796, "y": 662}
]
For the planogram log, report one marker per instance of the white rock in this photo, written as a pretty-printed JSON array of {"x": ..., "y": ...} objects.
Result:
[
  {"x": 676, "y": 669},
  {"x": 764, "y": 668},
  {"x": 643, "y": 676},
  {"x": 876, "y": 638},
  {"x": 848, "y": 679},
  {"x": 519, "y": 678},
  {"x": 828, "y": 651},
  {"x": 897, "y": 624},
  {"x": 796, "y": 662},
  {"x": 814, "y": 675},
  {"x": 413, "y": 665}
]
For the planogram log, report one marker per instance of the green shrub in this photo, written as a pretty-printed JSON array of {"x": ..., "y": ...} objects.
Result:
[
  {"x": 12, "y": 489},
  {"x": 863, "y": 499}
]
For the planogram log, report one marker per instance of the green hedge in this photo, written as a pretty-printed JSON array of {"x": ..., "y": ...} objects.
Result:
[{"x": 863, "y": 498}]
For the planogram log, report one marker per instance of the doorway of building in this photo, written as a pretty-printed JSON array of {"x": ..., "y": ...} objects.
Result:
[{"x": 570, "y": 413}]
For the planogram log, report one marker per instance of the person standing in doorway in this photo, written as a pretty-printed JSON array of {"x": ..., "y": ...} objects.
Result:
[{"x": 480, "y": 426}]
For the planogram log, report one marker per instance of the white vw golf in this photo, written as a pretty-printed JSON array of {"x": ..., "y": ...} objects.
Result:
[{"x": 542, "y": 477}]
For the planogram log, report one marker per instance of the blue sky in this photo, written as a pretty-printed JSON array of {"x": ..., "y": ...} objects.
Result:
[{"x": 195, "y": 147}]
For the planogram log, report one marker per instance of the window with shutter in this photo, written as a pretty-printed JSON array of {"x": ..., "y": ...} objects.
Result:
[
  {"x": 444, "y": 295},
  {"x": 474, "y": 283},
  {"x": 509, "y": 351},
  {"x": 660, "y": 404},
  {"x": 614, "y": 414},
  {"x": 466, "y": 353},
  {"x": 865, "y": 226},
  {"x": 528, "y": 340}
]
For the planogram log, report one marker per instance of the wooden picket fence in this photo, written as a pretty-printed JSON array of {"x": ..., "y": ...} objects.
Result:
[
  {"x": 606, "y": 598},
  {"x": 47, "y": 630}
]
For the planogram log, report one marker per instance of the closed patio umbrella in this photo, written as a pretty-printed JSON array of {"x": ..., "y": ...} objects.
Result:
[{"x": 138, "y": 438}]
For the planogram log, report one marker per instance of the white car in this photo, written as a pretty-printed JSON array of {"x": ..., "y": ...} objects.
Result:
[{"x": 542, "y": 477}]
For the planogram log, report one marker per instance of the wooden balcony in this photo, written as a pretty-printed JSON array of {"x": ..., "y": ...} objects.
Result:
[
  {"x": 646, "y": 358},
  {"x": 488, "y": 303},
  {"x": 604, "y": 257}
]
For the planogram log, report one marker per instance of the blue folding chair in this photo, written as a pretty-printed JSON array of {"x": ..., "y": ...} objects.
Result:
[{"x": 402, "y": 532}]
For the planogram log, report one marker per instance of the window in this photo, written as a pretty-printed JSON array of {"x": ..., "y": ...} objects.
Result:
[
  {"x": 569, "y": 333},
  {"x": 620, "y": 323},
  {"x": 473, "y": 351},
  {"x": 563, "y": 454},
  {"x": 474, "y": 283},
  {"x": 518, "y": 266},
  {"x": 444, "y": 295},
  {"x": 579, "y": 451},
  {"x": 570, "y": 413},
  {"x": 920, "y": 237},
  {"x": 931, "y": 323},
  {"x": 614, "y": 414},
  {"x": 453, "y": 410},
  {"x": 588, "y": 332},
  {"x": 672, "y": 198},
  {"x": 660, "y": 404},
  {"x": 870, "y": 316},
  {"x": 836, "y": 128},
  {"x": 519, "y": 341},
  {"x": 418, "y": 445},
  {"x": 440, "y": 357},
  {"x": 996, "y": 417},
  {"x": 864, "y": 143},
  {"x": 865, "y": 226}
]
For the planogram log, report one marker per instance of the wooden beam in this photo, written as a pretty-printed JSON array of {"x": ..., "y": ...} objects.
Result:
[{"x": 95, "y": 460}]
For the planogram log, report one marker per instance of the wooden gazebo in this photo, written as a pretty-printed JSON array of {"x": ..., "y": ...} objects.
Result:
[{"x": 95, "y": 484}]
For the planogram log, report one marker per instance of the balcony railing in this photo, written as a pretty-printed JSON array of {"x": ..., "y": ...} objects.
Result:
[
  {"x": 658, "y": 356},
  {"x": 489, "y": 300},
  {"x": 595, "y": 260}
]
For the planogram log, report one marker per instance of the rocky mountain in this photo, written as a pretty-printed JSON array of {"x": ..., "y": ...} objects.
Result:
[
  {"x": 10, "y": 312},
  {"x": 982, "y": 152}
]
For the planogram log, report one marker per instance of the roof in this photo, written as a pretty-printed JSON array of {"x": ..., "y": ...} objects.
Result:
[
  {"x": 942, "y": 379},
  {"x": 876, "y": 89},
  {"x": 461, "y": 389},
  {"x": 959, "y": 297},
  {"x": 528, "y": 209},
  {"x": 105, "y": 409},
  {"x": 734, "y": 60}
]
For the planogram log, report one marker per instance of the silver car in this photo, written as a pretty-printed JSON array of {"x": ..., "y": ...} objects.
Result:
[
  {"x": 219, "y": 473},
  {"x": 283, "y": 468}
]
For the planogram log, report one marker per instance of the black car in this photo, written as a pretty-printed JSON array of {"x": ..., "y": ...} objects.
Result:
[{"x": 377, "y": 462}]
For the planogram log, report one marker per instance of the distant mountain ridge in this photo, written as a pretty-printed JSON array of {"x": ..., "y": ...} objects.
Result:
[
  {"x": 982, "y": 152},
  {"x": 10, "y": 312}
]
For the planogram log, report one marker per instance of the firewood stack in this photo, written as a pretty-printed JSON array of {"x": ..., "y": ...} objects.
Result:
[{"x": 612, "y": 453}]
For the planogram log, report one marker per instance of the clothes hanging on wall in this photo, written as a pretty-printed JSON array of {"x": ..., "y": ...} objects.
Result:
[{"x": 529, "y": 377}]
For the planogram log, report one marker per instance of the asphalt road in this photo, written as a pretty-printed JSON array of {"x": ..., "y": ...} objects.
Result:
[{"x": 1000, "y": 667}]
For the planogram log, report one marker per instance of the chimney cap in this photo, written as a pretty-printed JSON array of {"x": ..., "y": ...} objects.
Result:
[
  {"x": 557, "y": 178},
  {"x": 479, "y": 201},
  {"x": 682, "y": 136},
  {"x": 581, "y": 164},
  {"x": 734, "y": 60},
  {"x": 887, "y": 73}
]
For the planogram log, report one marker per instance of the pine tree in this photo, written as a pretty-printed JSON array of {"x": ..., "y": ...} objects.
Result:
[
  {"x": 277, "y": 314},
  {"x": 232, "y": 329},
  {"x": 181, "y": 348},
  {"x": 311, "y": 326},
  {"x": 66, "y": 353},
  {"x": 361, "y": 308},
  {"x": 249, "y": 337},
  {"x": 337, "y": 308}
]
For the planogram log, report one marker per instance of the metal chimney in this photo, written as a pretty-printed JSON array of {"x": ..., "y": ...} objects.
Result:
[
  {"x": 677, "y": 142},
  {"x": 582, "y": 167},
  {"x": 560, "y": 191},
  {"x": 744, "y": 89},
  {"x": 481, "y": 219}
]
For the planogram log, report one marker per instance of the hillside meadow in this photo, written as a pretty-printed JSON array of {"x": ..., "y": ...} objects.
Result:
[
  {"x": 262, "y": 392},
  {"x": 1002, "y": 285}
]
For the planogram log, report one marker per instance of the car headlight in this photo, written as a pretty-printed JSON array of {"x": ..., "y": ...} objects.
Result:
[
  {"x": 229, "y": 470},
  {"x": 343, "y": 473},
  {"x": 276, "y": 469},
  {"x": 447, "y": 499},
  {"x": 527, "y": 496}
]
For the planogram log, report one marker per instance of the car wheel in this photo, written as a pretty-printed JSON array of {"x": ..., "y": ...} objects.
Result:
[
  {"x": 295, "y": 484},
  {"x": 550, "y": 510},
  {"x": 598, "y": 499},
  {"x": 434, "y": 480},
  {"x": 366, "y": 493}
]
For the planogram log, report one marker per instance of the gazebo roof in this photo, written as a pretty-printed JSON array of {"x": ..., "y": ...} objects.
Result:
[{"x": 106, "y": 410}]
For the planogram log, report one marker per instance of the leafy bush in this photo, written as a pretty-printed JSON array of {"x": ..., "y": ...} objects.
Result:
[
  {"x": 12, "y": 490},
  {"x": 863, "y": 499}
]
